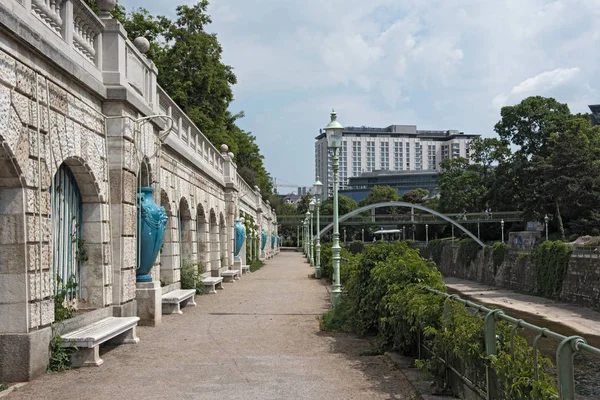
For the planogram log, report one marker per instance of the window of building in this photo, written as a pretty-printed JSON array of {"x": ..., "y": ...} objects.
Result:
[
  {"x": 384, "y": 156},
  {"x": 370, "y": 156},
  {"x": 398, "y": 156},
  {"x": 356, "y": 157}
]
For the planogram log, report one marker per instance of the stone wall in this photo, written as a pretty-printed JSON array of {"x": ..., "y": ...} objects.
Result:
[{"x": 581, "y": 284}]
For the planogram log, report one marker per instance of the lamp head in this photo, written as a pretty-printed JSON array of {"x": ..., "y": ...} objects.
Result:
[
  {"x": 311, "y": 205},
  {"x": 333, "y": 131},
  {"x": 317, "y": 186}
]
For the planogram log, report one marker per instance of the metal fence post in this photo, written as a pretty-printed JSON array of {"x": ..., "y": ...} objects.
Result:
[
  {"x": 564, "y": 363},
  {"x": 490, "y": 349}
]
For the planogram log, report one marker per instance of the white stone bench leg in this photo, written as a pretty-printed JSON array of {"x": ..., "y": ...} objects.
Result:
[
  {"x": 127, "y": 337},
  {"x": 171, "y": 308},
  {"x": 189, "y": 302},
  {"x": 212, "y": 288},
  {"x": 86, "y": 357},
  {"x": 219, "y": 286},
  {"x": 230, "y": 279}
]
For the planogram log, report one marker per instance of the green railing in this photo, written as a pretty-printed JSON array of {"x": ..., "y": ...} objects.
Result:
[
  {"x": 469, "y": 218},
  {"x": 567, "y": 347}
]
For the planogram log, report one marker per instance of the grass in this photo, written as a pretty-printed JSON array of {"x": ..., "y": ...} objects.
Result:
[{"x": 3, "y": 386}]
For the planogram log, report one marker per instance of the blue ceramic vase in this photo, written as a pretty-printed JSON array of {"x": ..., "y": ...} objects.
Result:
[
  {"x": 272, "y": 241},
  {"x": 152, "y": 221},
  {"x": 263, "y": 236},
  {"x": 240, "y": 233}
]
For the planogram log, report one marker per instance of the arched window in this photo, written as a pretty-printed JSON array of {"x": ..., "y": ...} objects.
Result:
[{"x": 68, "y": 253}]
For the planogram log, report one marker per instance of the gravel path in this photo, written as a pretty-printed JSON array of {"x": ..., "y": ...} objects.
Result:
[{"x": 257, "y": 339}]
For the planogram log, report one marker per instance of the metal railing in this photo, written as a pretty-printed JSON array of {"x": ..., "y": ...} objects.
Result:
[{"x": 567, "y": 348}]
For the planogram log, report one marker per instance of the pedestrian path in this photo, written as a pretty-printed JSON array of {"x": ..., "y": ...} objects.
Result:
[{"x": 257, "y": 339}]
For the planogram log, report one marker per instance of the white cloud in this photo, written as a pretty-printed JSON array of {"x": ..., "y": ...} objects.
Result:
[{"x": 539, "y": 84}]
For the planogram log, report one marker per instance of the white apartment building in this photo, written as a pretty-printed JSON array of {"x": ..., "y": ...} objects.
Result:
[{"x": 395, "y": 148}]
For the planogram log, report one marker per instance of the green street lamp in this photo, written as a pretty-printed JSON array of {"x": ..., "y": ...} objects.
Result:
[
  {"x": 333, "y": 131},
  {"x": 502, "y": 225},
  {"x": 308, "y": 237},
  {"x": 317, "y": 186},
  {"x": 427, "y": 233},
  {"x": 311, "y": 208},
  {"x": 546, "y": 219}
]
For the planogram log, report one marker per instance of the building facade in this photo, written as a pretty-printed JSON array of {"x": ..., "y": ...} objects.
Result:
[
  {"x": 403, "y": 181},
  {"x": 83, "y": 126},
  {"x": 394, "y": 148}
]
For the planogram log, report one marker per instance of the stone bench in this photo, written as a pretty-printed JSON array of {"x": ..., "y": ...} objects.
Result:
[
  {"x": 172, "y": 302},
  {"x": 213, "y": 282},
  {"x": 231, "y": 275},
  {"x": 88, "y": 339},
  {"x": 245, "y": 269}
]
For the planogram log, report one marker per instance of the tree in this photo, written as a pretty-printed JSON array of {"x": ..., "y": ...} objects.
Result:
[
  {"x": 530, "y": 123},
  {"x": 345, "y": 205},
  {"x": 302, "y": 205},
  {"x": 381, "y": 194},
  {"x": 461, "y": 186},
  {"x": 415, "y": 196},
  {"x": 566, "y": 183}
]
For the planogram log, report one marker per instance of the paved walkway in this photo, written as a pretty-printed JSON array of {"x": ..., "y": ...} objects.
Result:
[{"x": 257, "y": 339}]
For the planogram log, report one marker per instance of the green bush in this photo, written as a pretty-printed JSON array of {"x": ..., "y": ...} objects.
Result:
[
  {"x": 190, "y": 276},
  {"x": 385, "y": 295},
  {"x": 60, "y": 357},
  {"x": 356, "y": 247},
  {"x": 551, "y": 264}
]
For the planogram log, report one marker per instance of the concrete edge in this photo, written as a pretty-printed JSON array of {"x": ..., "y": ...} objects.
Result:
[
  {"x": 12, "y": 387},
  {"x": 416, "y": 377}
]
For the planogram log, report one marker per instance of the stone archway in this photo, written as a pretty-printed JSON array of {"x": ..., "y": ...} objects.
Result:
[
  {"x": 223, "y": 242},
  {"x": 184, "y": 233},
  {"x": 15, "y": 316},
  {"x": 202, "y": 244},
  {"x": 215, "y": 261},
  {"x": 169, "y": 254},
  {"x": 79, "y": 234}
]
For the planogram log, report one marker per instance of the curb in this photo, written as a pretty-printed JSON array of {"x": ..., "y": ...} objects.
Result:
[{"x": 12, "y": 387}]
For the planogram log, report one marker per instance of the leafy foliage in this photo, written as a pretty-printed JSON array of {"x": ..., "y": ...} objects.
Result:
[
  {"x": 385, "y": 296},
  {"x": 60, "y": 357},
  {"x": 356, "y": 247},
  {"x": 434, "y": 250},
  {"x": 467, "y": 251},
  {"x": 191, "y": 276},
  {"x": 551, "y": 264},
  {"x": 62, "y": 307},
  {"x": 499, "y": 252},
  {"x": 415, "y": 196}
]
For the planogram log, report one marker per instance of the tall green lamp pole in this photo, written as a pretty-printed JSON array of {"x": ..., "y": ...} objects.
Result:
[
  {"x": 311, "y": 208},
  {"x": 317, "y": 186},
  {"x": 333, "y": 131},
  {"x": 308, "y": 252}
]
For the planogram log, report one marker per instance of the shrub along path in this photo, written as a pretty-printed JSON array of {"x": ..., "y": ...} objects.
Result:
[{"x": 257, "y": 339}]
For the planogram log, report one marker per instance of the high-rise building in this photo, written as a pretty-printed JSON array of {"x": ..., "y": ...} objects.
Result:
[{"x": 395, "y": 148}]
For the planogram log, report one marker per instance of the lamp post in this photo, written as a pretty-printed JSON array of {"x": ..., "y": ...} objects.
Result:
[
  {"x": 502, "y": 225},
  {"x": 317, "y": 187},
  {"x": 414, "y": 228},
  {"x": 362, "y": 231},
  {"x": 344, "y": 235},
  {"x": 311, "y": 208},
  {"x": 333, "y": 131},
  {"x": 426, "y": 233},
  {"x": 306, "y": 238},
  {"x": 546, "y": 219}
]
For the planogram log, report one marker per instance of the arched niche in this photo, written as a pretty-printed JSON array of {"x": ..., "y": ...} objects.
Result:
[
  {"x": 202, "y": 245},
  {"x": 215, "y": 261},
  {"x": 79, "y": 231}
]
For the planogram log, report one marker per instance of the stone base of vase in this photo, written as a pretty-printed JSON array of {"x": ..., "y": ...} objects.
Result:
[{"x": 149, "y": 303}]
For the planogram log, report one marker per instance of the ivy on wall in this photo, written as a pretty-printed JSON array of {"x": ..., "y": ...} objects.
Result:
[
  {"x": 551, "y": 264},
  {"x": 467, "y": 251}
]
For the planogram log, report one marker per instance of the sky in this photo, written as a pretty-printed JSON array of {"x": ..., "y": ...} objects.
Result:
[{"x": 437, "y": 64}]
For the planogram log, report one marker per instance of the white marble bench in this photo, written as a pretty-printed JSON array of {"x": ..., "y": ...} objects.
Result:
[
  {"x": 231, "y": 274},
  {"x": 213, "y": 282},
  {"x": 245, "y": 269},
  {"x": 88, "y": 339},
  {"x": 172, "y": 302}
]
